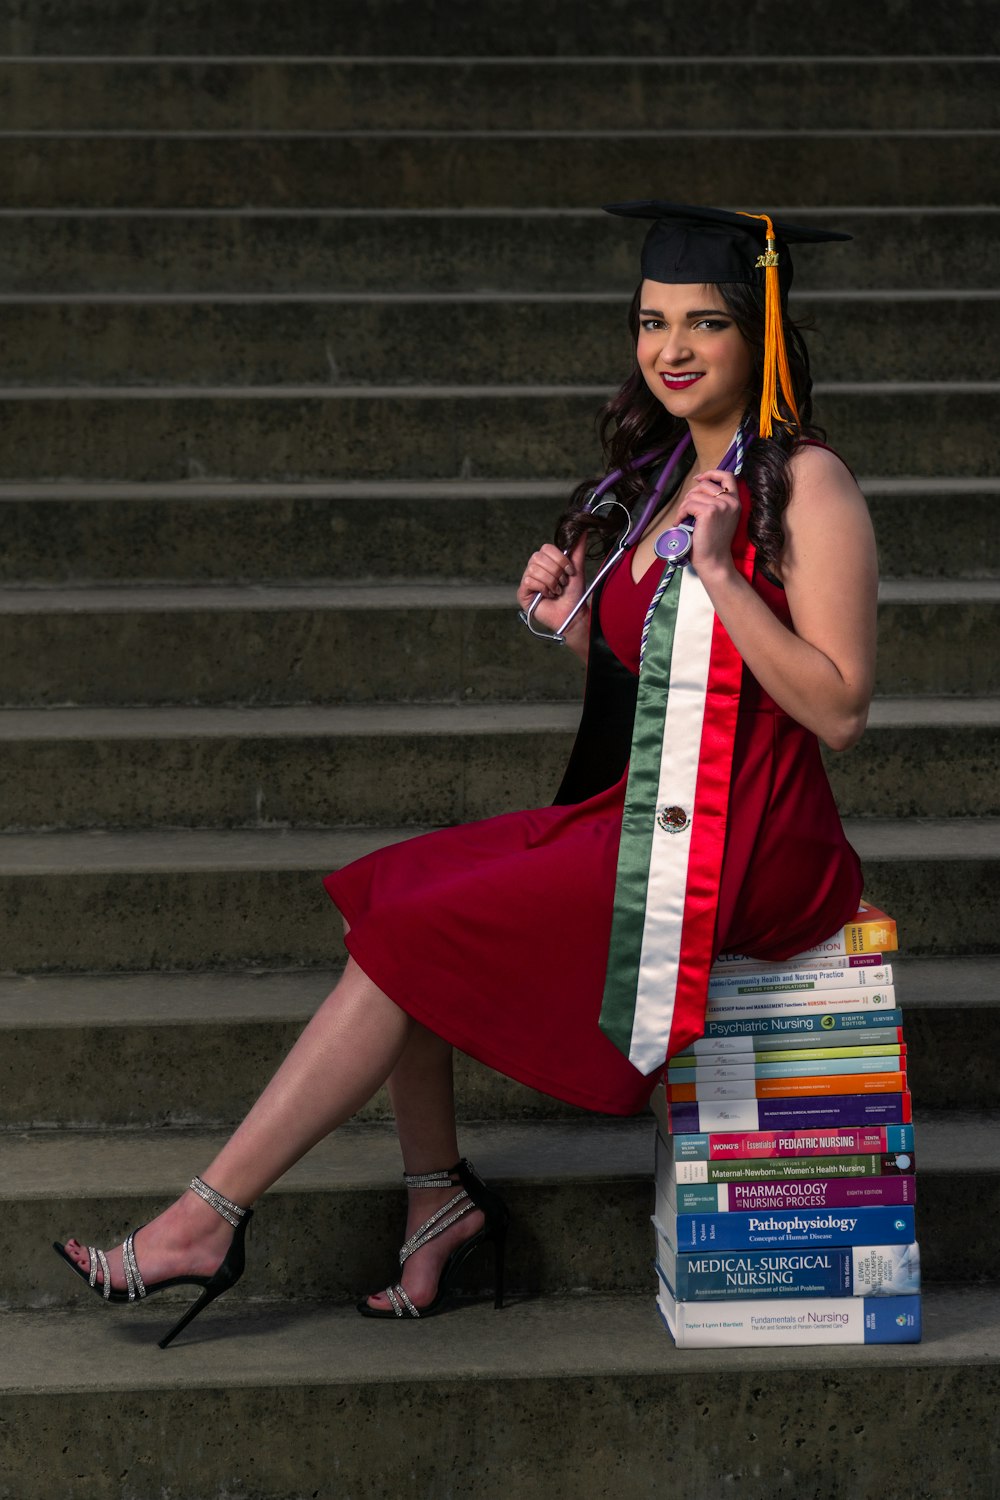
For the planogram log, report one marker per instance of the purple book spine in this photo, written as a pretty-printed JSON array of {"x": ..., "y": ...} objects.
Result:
[
  {"x": 834, "y": 1110},
  {"x": 828, "y": 1193}
]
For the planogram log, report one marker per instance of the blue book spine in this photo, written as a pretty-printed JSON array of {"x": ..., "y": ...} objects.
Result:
[
  {"x": 894, "y": 1320},
  {"x": 862, "y": 1271},
  {"x": 821, "y": 1023},
  {"x": 800, "y": 1226}
]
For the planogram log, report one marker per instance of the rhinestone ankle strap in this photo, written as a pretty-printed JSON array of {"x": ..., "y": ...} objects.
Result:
[
  {"x": 447, "y": 1215},
  {"x": 230, "y": 1211},
  {"x": 442, "y": 1179}
]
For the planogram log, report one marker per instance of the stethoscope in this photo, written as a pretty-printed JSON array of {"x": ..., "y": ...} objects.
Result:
[{"x": 673, "y": 545}]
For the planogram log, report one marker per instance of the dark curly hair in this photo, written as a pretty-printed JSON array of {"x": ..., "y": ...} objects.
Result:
[{"x": 634, "y": 421}]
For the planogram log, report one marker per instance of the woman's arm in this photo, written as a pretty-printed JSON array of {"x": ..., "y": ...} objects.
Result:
[
  {"x": 823, "y": 674},
  {"x": 560, "y": 580}
]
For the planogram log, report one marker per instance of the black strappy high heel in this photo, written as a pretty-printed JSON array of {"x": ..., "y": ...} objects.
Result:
[
  {"x": 473, "y": 1193},
  {"x": 213, "y": 1286}
]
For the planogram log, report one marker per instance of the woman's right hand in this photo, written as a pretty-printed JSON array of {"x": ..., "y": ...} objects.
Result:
[{"x": 561, "y": 581}]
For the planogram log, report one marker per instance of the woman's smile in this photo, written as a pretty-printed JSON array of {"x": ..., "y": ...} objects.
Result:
[{"x": 680, "y": 382}]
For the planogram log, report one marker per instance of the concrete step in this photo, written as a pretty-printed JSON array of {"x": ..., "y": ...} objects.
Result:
[
  {"x": 282, "y": 1397},
  {"x": 922, "y": 758},
  {"x": 580, "y": 1195},
  {"x": 153, "y": 1050},
  {"x": 137, "y": 768},
  {"x": 426, "y": 641},
  {"x": 494, "y": 93},
  {"x": 476, "y": 169},
  {"x": 479, "y": 530},
  {"x": 580, "y": 1191},
  {"x": 222, "y": 900},
  {"x": 421, "y": 340},
  {"x": 430, "y": 432},
  {"x": 323, "y": 767},
  {"x": 309, "y": 251},
  {"x": 89, "y": 1051},
  {"x": 570, "y": 27}
]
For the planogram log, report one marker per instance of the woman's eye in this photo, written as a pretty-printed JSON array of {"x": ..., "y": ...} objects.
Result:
[
  {"x": 715, "y": 324},
  {"x": 648, "y": 325}
]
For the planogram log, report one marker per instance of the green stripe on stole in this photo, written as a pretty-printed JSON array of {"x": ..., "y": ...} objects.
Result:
[{"x": 638, "y": 824}]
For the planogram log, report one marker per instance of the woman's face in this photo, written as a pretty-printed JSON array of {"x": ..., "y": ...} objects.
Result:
[{"x": 691, "y": 353}]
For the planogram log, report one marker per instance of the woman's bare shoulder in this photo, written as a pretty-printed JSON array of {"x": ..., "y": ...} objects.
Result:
[
  {"x": 827, "y": 519},
  {"x": 817, "y": 471},
  {"x": 822, "y": 494}
]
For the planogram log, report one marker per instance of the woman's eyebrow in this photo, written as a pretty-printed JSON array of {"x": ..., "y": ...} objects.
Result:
[{"x": 698, "y": 312}]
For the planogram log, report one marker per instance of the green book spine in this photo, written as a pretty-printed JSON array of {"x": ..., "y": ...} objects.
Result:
[
  {"x": 791, "y": 1054},
  {"x": 780, "y": 1168}
]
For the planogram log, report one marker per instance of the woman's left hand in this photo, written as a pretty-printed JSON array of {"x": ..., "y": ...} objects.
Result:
[{"x": 715, "y": 505}]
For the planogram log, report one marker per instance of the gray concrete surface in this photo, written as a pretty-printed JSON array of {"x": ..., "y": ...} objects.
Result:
[
  {"x": 140, "y": 1050},
  {"x": 484, "y": 340},
  {"x": 392, "y": 27},
  {"x": 474, "y": 169},
  {"x": 480, "y": 532},
  {"x": 445, "y": 432},
  {"x": 439, "y": 250},
  {"x": 578, "y": 1399},
  {"x": 319, "y": 767},
  {"x": 399, "y": 643},
  {"x": 494, "y": 93}
]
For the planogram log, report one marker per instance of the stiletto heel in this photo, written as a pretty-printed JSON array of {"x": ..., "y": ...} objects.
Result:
[
  {"x": 473, "y": 1193},
  {"x": 207, "y": 1296},
  {"x": 227, "y": 1275}
]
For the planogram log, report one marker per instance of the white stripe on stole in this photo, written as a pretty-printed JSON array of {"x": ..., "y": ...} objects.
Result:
[{"x": 670, "y": 853}]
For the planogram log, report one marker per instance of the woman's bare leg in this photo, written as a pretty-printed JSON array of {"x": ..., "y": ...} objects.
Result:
[
  {"x": 346, "y": 1052},
  {"x": 422, "y": 1091},
  {"x": 421, "y": 1088}
]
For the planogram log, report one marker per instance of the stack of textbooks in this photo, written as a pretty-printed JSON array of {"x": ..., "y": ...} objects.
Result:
[{"x": 785, "y": 1171}]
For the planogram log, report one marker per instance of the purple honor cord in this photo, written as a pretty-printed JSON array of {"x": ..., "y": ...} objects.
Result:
[{"x": 679, "y": 536}]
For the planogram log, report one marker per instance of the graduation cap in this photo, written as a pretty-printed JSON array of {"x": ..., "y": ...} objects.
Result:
[{"x": 686, "y": 243}]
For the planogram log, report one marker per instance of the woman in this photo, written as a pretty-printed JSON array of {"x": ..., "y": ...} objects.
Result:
[{"x": 510, "y": 938}]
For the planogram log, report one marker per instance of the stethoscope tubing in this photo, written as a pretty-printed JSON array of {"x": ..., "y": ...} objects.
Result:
[{"x": 633, "y": 530}]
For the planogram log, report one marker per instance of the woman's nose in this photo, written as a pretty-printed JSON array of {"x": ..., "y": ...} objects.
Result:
[{"x": 675, "y": 348}]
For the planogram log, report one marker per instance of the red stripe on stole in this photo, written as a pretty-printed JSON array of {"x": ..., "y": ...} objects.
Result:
[{"x": 710, "y": 814}]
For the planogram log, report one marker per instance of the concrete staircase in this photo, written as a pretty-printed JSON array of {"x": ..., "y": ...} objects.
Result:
[{"x": 307, "y": 315}]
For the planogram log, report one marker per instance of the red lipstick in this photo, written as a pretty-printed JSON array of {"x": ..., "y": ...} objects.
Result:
[{"x": 680, "y": 382}]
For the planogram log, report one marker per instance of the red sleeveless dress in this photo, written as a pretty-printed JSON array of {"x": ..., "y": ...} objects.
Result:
[{"x": 495, "y": 934}]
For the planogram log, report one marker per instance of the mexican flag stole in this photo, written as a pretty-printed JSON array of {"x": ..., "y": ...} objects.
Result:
[{"x": 674, "y": 821}]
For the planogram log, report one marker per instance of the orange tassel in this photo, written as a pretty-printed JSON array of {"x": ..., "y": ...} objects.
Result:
[{"x": 775, "y": 354}]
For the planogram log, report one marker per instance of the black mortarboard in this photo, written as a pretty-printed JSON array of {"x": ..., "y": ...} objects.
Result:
[{"x": 690, "y": 244}]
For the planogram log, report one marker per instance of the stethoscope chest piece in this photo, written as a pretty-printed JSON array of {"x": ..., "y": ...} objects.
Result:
[{"x": 675, "y": 544}]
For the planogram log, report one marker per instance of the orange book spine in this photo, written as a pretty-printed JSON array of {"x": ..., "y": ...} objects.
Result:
[
  {"x": 788, "y": 1088},
  {"x": 873, "y": 933}
]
